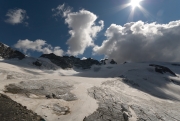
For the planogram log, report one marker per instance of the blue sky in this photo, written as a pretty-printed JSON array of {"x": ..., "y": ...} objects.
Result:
[{"x": 39, "y": 23}]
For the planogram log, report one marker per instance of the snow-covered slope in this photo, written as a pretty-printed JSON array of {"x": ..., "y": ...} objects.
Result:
[{"x": 133, "y": 91}]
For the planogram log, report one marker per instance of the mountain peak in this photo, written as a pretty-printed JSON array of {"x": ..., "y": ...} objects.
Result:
[{"x": 8, "y": 53}]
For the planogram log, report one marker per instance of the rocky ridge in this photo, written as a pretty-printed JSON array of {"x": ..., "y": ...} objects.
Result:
[
  {"x": 71, "y": 61},
  {"x": 64, "y": 62},
  {"x": 8, "y": 53}
]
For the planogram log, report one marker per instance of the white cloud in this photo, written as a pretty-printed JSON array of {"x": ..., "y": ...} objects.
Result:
[
  {"x": 58, "y": 51},
  {"x": 61, "y": 10},
  {"x": 39, "y": 46},
  {"x": 139, "y": 41},
  {"x": 83, "y": 29},
  {"x": 16, "y": 16}
]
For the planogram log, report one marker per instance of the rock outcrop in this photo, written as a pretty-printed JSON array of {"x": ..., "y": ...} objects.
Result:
[
  {"x": 162, "y": 69},
  {"x": 8, "y": 53},
  {"x": 113, "y": 62},
  {"x": 71, "y": 61},
  {"x": 37, "y": 63},
  {"x": 13, "y": 111},
  {"x": 103, "y": 61}
]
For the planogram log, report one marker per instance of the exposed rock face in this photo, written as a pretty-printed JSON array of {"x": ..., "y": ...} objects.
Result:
[
  {"x": 162, "y": 69},
  {"x": 8, "y": 53},
  {"x": 103, "y": 61},
  {"x": 113, "y": 62},
  {"x": 175, "y": 64},
  {"x": 13, "y": 111},
  {"x": 37, "y": 63},
  {"x": 70, "y": 61}
]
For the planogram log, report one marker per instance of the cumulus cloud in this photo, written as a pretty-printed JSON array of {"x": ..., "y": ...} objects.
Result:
[
  {"x": 39, "y": 46},
  {"x": 139, "y": 41},
  {"x": 83, "y": 29},
  {"x": 16, "y": 16}
]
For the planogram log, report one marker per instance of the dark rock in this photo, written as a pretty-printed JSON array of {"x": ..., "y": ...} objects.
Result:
[
  {"x": 12, "y": 111},
  {"x": 130, "y": 82},
  {"x": 48, "y": 96},
  {"x": 103, "y": 61},
  {"x": 8, "y": 53},
  {"x": 162, "y": 69},
  {"x": 174, "y": 64},
  {"x": 175, "y": 82},
  {"x": 37, "y": 63},
  {"x": 53, "y": 95},
  {"x": 122, "y": 76},
  {"x": 70, "y": 62},
  {"x": 125, "y": 62},
  {"x": 113, "y": 62},
  {"x": 126, "y": 116}
]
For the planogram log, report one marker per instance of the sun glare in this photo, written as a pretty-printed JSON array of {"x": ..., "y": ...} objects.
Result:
[{"x": 135, "y": 3}]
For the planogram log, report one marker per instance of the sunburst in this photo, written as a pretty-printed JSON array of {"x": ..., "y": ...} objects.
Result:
[{"x": 135, "y": 3}]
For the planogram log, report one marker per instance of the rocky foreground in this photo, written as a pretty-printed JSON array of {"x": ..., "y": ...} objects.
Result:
[{"x": 12, "y": 111}]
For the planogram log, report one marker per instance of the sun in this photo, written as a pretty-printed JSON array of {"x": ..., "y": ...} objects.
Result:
[{"x": 135, "y": 3}]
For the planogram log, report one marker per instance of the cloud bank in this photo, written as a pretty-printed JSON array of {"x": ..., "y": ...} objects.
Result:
[
  {"x": 139, "y": 41},
  {"x": 16, "y": 16},
  {"x": 39, "y": 46},
  {"x": 83, "y": 28}
]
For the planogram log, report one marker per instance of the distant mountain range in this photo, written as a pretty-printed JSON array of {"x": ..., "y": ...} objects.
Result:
[{"x": 64, "y": 62}]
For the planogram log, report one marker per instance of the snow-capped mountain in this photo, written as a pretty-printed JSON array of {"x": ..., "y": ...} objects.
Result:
[
  {"x": 63, "y": 62},
  {"x": 57, "y": 89}
]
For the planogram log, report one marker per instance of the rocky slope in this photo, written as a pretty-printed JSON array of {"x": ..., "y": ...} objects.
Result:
[
  {"x": 71, "y": 61},
  {"x": 8, "y": 53},
  {"x": 12, "y": 111},
  {"x": 64, "y": 62}
]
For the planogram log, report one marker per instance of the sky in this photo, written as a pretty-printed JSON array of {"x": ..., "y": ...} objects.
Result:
[{"x": 149, "y": 31}]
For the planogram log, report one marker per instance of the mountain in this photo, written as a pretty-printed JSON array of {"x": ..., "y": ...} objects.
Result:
[
  {"x": 8, "y": 53},
  {"x": 71, "y": 61},
  {"x": 93, "y": 90},
  {"x": 64, "y": 62}
]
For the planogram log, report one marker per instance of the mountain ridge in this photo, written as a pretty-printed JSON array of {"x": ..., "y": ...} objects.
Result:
[
  {"x": 9, "y": 53},
  {"x": 64, "y": 62}
]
